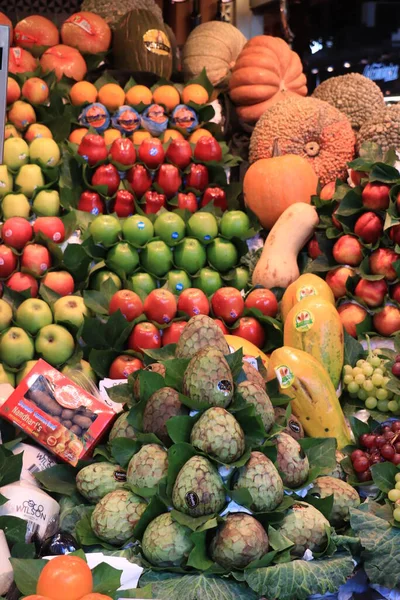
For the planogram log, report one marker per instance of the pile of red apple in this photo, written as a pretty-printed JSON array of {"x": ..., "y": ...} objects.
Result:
[
  {"x": 177, "y": 177},
  {"x": 365, "y": 241},
  {"x": 161, "y": 307}
]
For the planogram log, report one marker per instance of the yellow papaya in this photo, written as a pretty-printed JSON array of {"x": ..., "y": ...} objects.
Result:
[
  {"x": 314, "y": 325},
  {"x": 314, "y": 402},
  {"x": 235, "y": 342},
  {"x": 306, "y": 285}
]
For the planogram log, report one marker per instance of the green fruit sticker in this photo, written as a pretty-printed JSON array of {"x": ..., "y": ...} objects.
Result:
[
  {"x": 305, "y": 291},
  {"x": 303, "y": 321},
  {"x": 284, "y": 376}
]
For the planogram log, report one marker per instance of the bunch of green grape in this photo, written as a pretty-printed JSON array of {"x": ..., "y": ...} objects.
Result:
[
  {"x": 367, "y": 381},
  {"x": 394, "y": 496}
]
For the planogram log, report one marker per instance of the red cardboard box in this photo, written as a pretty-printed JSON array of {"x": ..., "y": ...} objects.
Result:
[{"x": 57, "y": 413}]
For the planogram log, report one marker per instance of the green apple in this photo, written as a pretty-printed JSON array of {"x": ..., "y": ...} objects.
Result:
[
  {"x": 7, "y": 376},
  {"x": 45, "y": 151},
  {"x": 170, "y": 228},
  {"x": 73, "y": 371},
  {"x": 101, "y": 276},
  {"x": 6, "y": 315},
  {"x": 156, "y": 258},
  {"x": 54, "y": 344},
  {"x": 240, "y": 279},
  {"x": 25, "y": 371},
  {"x": 142, "y": 283},
  {"x": 16, "y": 347},
  {"x": 208, "y": 281},
  {"x": 122, "y": 257},
  {"x": 190, "y": 255},
  {"x": 6, "y": 181},
  {"x": 70, "y": 309},
  {"x": 16, "y": 153},
  {"x": 29, "y": 178},
  {"x": 105, "y": 229},
  {"x": 222, "y": 254},
  {"x": 234, "y": 223},
  {"x": 177, "y": 281},
  {"x": 203, "y": 226},
  {"x": 138, "y": 230},
  {"x": 15, "y": 205},
  {"x": 33, "y": 314},
  {"x": 47, "y": 203}
]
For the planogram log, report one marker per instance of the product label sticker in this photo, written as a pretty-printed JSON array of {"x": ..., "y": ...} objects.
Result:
[
  {"x": 82, "y": 23},
  {"x": 157, "y": 42},
  {"x": 303, "y": 321},
  {"x": 192, "y": 499},
  {"x": 25, "y": 37},
  {"x": 284, "y": 376},
  {"x": 305, "y": 291},
  {"x": 120, "y": 476},
  {"x": 17, "y": 55}
]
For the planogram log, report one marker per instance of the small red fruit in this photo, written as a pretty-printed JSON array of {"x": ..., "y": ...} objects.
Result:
[
  {"x": 108, "y": 176},
  {"x": 36, "y": 259},
  {"x": 381, "y": 263},
  {"x": 335, "y": 221},
  {"x": 16, "y": 232},
  {"x": 361, "y": 464},
  {"x": 356, "y": 454},
  {"x": 369, "y": 227},
  {"x": 327, "y": 191},
  {"x": 228, "y": 304},
  {"x": 313, "y": 248},
  {"x": 169, "y": 180},
  {"x": 264, "y": 300},
  {"x": 337, "y": 278},
  {"x": 348, "y": 251},
  {"x": 193, "y": 302},
  {"x": 154, "y": 201},
  {"x": 208, "y": 149},
  {"x": 395, "y": 292},
  {"x": 51, "y": 227},
  {"x": 356, "y": 176},
  {"x": 8, "y": 261},
  {"x": 216, "y": 195},
  {"x": 179, "y": 153},
  {"x": 172, "y": 333},
  {"x": 251, "y": 330},
  {"x": 394, "y": 234},
  {"x": 187, "y": 202},
  {"x": 91, "y": 202},
  {"x": 387, "y": 321},
  {"x": 376, "y": 196},
  {"x": 371, "y": 292},
  {"x": 60, "y": 282},
  {"x": 151, "y": 153},
  {"x": 160, "y": 306},
  {"x": 144, "y": 336},
  {"x": 123, "y": 366},
  {"x": 128, "y": 303},
  {"x": 20, "y": 282},
  {"x": 124, "y": 204},
  {"x": 222, "y": 326},
  {"x": 123, "y": 151},
  {"x": 197, "y": 177},
  {"x": 93, "y": 148},
  {"x": 351, "y": 315},
  {"x": 139, "y": 179}
]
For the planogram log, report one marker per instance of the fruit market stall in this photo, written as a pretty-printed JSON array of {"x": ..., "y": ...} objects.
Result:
[{"x": 199, "y": 319}]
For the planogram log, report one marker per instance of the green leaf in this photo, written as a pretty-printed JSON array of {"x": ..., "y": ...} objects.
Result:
[
  {"x": 175, "y": 370},
  {"x": 171, "y": 586},
  {"x": 10, "y": 468},
  {"x": 178, "y": 455},
  {"x": 3, "y": 499},
  {"x": 179, "y": 428},
  {"x": 358, "y": 427},
  {"x": 71, "y": 513},
  {"x": 320, "y": 453},
  {"x": 154, "y": 508},
  {"x": 26, "y": 574},
  {"x": 96, "y": 301},
  {"x": 299, "y": 579},
  {"x": 324, "y": 505},
  {"x": 235, "y": 362},
  {"x": 59, "y": 479},
  {"x": 353, "y": 350},
  {"x": 198, "y": 557},
  {"x": 100, "y": 360},
  {"x": 14, "y": 529},
  {"x": 351, "y": 204},
  {"x": 371, "y": 151},
  {"x": 106, "y": 579},
  {"x": 85, "y": 534},
  {"x": 161, "y": 354},
  {"x": 121, "y": 393},
  {"x": 122, "y": 450},
  {"x": 277, "y": 541},
  {"x": 384, "y": 173},
  {"x": 383, "y": 476},
  {"x": 22, "y": 550},
  {"x": 149, "y": 383}
]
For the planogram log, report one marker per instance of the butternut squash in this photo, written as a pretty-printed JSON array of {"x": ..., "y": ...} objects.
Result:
[{"x": 277, "y": 266}]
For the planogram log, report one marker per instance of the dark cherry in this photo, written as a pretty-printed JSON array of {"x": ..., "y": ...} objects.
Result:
[
  {"x": 365, "y": 476},
  {"x": 396, "y": 426},
  {"x": 380, "y": 441},
  {"x": 389, "y": 435},
  {"x": 356, "y": 454},
  {"x": 396, "y": 459},
  {"x": 388, "y": 451},
  {"x": 396, "y": 369}
]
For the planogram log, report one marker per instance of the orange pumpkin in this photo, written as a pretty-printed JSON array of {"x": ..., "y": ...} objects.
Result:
[
  {"x": 272, "y": 184},
  {"x": 266, "y": 71}
]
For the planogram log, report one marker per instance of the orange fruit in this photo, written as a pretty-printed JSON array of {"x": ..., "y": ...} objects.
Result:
[
  {"x": 95, "y": 596},
  {"x": 194, "y": 93},
  {"x": 167, "y": 95},
  {"x": 139, "y": 136},
  {"x": 37, "y": 130},
  {"x": 110, "y": 135},
  {"x": 137, "y": 94},
  {"x": 65, "y": 578},
  {"x": 172, "y": 134},
  {"x": 112, "y": 96},
  {"x": 82, "y": 92},
  {"x": 10, "y": 131},
  {"x": 77, "y": 135},
  {"x": 36, "y": 597},
  {"x": 13, "y": 90},
  {"x": 196, "y": 135}
]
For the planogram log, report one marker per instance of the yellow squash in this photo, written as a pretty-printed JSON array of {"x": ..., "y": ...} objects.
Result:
[
  {"x": 235, "y": 342},
  {"x": 314, "y": 325},
  {"x": 314, "y": 400},
  {"x": 306, "y": 285}
]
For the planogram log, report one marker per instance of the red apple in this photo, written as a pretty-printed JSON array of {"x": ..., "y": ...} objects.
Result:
[
  {"x": 356, "y": 176},
  {"x": 35, "y": 31},
  {"x": 16, "y": 232},
  {"x": 108, "y": 176},
  {"x": 93, "y": 148},
  {"x": 51, "y": 227},
  {"x": 371, "y": 292},
  {"x": 348, "y": 251},
  {"x": 20, "y": 282},
  {"x": 208, "y": 149},
  {"x": 187, "y": 202},
  {"x": 387, "y": 321},
  {"x": 369, "y": 227},
  {"x": 251, "y": 330},
  {"x": 336, "y": 279},
  {"x": 313, "y": 248},
  {"x": 395, "y": 292},
  {"x": 222, "y": 326},
  {"x": 264, "y": 300},
  {"x": 123, "y": 151},
  {"x": 154, "y": 201},
  {"x": 8, "y": 261},
  {"x": 215, "y": 194},
  {"x": 123, "y": 366},
  {"x": 394, "y": 234},
  {"x": 327, "y": 192},
  {"x": 169, "y": 180},
  {"x": 351, "y": 315},
  {"x": 128, "y": 303},
  {"x": 172, "y": 333},
  {"x": 139, "y": 179},
  {"x": 36, "y": 259},
  {"x": 144, "y": 336},
  {"x": 179, "y": 153},
  {"x": 197, "y": 177},
  {"x": 60, "y": 282},
  {"x": 64, "y": 60},
  {"x": 124, "y": 204},
  {"x": 91, "y": 202},
  {"x": 151, "y": 153},
  {"x": 381, "y": 263},
  {"x": 376, "y": 196},
  {"x": 86, "y": 31},
  {"x": 398, "y": 202}
]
